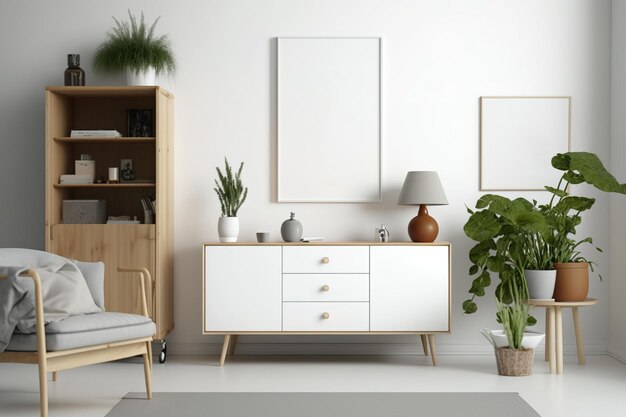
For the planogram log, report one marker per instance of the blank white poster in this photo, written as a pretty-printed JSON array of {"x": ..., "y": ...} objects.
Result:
[
  {"x": 519, "y": 137},
  {"x": 329, "y": 119}
]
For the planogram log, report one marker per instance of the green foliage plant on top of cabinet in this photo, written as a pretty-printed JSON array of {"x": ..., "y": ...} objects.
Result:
[
  {"x": 132, "y": 47},
  {"x": 231, "y": 194}
]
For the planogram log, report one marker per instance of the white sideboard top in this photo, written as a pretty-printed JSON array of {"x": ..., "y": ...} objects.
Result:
[{"x": 322, "y": 243}]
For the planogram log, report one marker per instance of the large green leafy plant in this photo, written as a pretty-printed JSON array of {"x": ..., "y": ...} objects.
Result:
[
  {"x": 514, "y": 235},
  {"x": 563, "y": 212},
  {"x": 230, "y": 190},
  {"x": 133, "y": 45}
]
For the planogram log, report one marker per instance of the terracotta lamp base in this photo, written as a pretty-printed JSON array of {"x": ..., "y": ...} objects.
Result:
[{"x": 423, "y": 228}]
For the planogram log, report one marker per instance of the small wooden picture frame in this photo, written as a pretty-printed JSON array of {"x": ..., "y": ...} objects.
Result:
[{"x": 140, "y": 123}]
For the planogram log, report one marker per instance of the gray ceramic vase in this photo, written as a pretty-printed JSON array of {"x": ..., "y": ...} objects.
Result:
[{"x": 291, "y": 230}]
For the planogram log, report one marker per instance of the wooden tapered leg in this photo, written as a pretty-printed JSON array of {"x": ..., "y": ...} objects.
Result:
[
  {"x": 580, "y": 342},
  {"x": 433, "y": 351},
  {"x": 424, "y": 344},
  {"x": 147, "y": 369},
  {"x": 224, "y": 349},
  {"x": 54, "y": 376},
  {"x": 550, "y": 348},
  {"x": 547, "y": 339},
  {"x": 558, "y": 339},
  {"x": 233, "y": 344},
  {"x": 149, "y": 349},
  {"x": 43, "y": 387}
]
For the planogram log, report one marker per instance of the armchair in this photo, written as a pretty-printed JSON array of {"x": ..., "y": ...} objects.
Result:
[{"x": 81, "y": 339}]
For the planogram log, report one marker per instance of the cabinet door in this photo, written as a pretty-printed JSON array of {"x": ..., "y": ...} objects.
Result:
[
  {"x": 242, "y": 288},
  {"x": 409, "y": 288},
  {"x": 135, "y": 248},
  {"x": 116, "y": 245}
]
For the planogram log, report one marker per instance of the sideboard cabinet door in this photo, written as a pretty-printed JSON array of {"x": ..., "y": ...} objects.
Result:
[
  {"x": 409, "y": 288},
  {"x": 242, "y": 288}
]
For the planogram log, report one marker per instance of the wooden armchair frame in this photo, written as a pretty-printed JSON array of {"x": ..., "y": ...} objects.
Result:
[{"x": 67, "y": 359}]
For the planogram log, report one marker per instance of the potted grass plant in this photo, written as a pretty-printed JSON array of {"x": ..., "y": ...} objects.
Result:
[
  {"x": 231, "y": 195},
  {"x": 133, "y": 48},
  {"x": 563, "y": 214}
]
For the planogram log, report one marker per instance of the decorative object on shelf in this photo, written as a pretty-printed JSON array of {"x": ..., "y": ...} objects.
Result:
[
  {"x": 148, "y": 211},
  {"x": 84, "y": 211},
  {"x": 262, "y": 237},
  {"x": 422, "y": 188},
  {"x": 382, "y": 234},
  {"x": 126, "y": 170},
  {"x": 531, "y": 128},
  {"x": 140, "y": 123},
  {"x": 109, "y": 133},
  {"x": 114, "y": 175},
  {"x": 122, "y": 220},
  {"x": 85, "y": 166},
  {"x": 132, "y": 48},
  {"x": 74, "y": 74},
  {"x": 291, "y": 229},
  {"x": 231, "y": 194}
]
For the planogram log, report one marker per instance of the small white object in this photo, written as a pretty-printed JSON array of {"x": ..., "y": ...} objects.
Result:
[
  {"x": 114, "y": 174},
  {"x": 145, "y": 77},
  {"x": 85, "y": 167},
  {"x": 98, "y": 133},
  {"x": 228, "y": 229}
]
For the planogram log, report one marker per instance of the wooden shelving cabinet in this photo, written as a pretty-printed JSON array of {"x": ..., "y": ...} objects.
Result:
[{"x": 117, "y": 245}]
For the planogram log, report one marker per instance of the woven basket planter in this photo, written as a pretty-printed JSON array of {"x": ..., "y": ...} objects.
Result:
[{"x": 514, "y": 362}]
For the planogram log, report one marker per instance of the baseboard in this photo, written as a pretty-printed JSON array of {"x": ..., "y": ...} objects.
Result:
[
  {"x": 252, "y": 348},
  {"x": 617, "y": 354}
]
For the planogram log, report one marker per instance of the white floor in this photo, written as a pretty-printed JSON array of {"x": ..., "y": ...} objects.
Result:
[{"x": 596, "y": 389}]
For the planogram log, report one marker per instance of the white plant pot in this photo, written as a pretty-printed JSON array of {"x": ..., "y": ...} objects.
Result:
[
  {"x": 540, "y": 283},
  {"x": 145, "y": 77},
  {"x": 498, "y": 338},
  {"x": 228, "y": 229}
]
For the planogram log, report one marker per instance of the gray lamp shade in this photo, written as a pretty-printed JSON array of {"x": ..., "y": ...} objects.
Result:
[{"x": 422, "y": 187}]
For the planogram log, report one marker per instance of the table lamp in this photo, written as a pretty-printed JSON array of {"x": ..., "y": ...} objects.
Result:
[{"x": 422, "y": 188}]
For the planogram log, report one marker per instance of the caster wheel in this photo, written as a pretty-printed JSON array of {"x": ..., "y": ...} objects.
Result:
[{"x": 163, "y": 354}]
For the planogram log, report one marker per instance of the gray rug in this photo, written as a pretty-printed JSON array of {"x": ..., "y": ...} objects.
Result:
[{"x": 299, "y": 404}]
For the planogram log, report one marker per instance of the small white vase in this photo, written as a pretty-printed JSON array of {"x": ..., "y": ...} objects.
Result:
[
  {"x": 228, "y": 229},
  {"x": 540, "y": 283},
  {"x": 144, "y": 77}
]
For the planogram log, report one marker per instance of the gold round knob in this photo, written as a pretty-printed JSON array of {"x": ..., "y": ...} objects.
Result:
[
  {"x": 325, "y": 316},
  {"x": 325, "y": 260},
  {"x": 325, "y": 288}
]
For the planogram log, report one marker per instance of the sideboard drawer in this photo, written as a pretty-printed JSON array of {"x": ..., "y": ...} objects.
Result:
[
  {"x": 326, "y": 287},
  {"x": 326, "y": 259},
  {"x": 326, "y": 317}
]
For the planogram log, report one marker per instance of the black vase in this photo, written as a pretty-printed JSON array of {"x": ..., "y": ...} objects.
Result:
[{"x": 74, "y": 74}]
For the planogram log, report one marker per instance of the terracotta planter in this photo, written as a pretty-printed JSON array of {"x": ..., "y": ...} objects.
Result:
[{"x": 572, "y": 281}]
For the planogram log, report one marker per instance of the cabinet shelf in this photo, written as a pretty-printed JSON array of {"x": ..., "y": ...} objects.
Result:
[
  {"x": 104, "y": 140},
  {"x": 121, "y": 244},
  {"x": 119, "y": 185}
]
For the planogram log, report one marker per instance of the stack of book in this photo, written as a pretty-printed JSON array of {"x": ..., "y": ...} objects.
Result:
[
  {"x": 76, "y": 179},
  {"x": 95, "y": 134}
]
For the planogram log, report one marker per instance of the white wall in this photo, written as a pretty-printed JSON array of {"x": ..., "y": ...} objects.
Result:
[
  {"x": 617, "y": 240},
  {"x": 439, "y": 57}
]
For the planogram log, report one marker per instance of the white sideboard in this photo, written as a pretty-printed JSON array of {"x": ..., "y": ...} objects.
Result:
[{"x": 326, "y": 288}]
